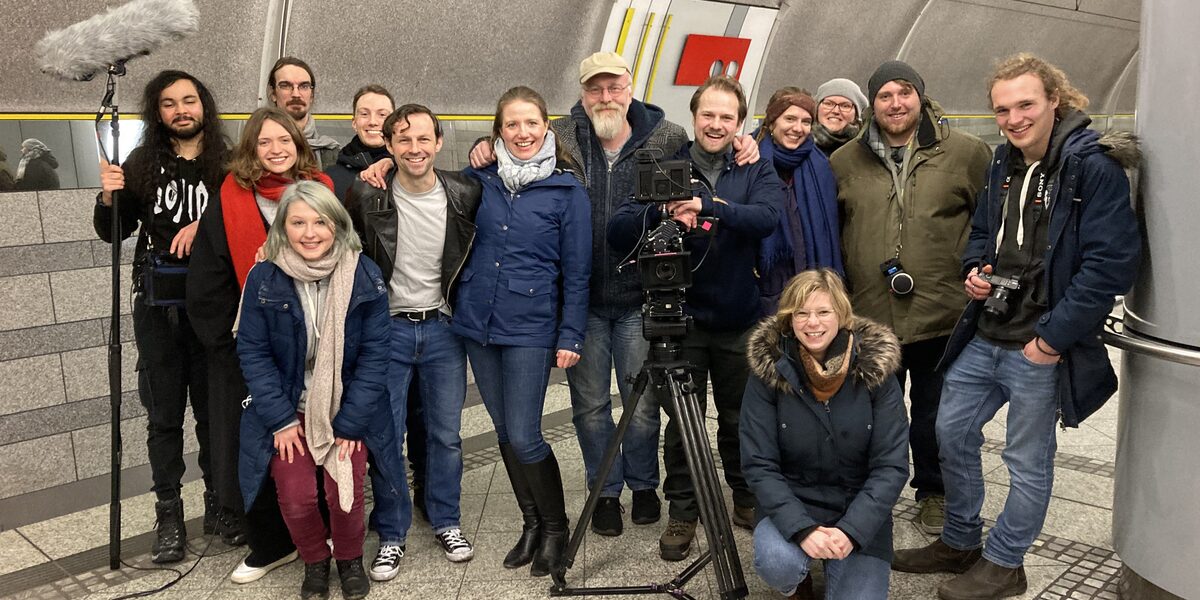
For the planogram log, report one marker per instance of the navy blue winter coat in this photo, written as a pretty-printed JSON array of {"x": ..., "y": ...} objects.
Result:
[
  {"x": 839, "y": 464},
  {"x": 1092, "y": 257},
  {"x": 749, "y": 202},
  {"x": 526, "y": 283},
  {"x": 272, "y": 343}
]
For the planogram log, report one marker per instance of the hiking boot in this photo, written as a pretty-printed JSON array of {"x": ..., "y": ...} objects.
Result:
[
  {"x": 985, "y": 580},
  {"x": 743, "y": 516},
  {"x": 676, "y": 541},
  {"x": 646, "y": 507},
  {"x": 937, "y": 557},
  {"x": 932, "y": 515},
  {"x": 355, "y": 585},
  {"x": 386, "y": 565},
  {"x": 607, "y": 518},
  {"x": 170, "y": 535},
  {"x": 212, "y": 509},
  {"x": 455, "y": 545},
  {"x": 316, "y": 581}
]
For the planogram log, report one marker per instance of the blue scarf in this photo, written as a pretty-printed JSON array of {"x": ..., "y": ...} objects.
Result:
[{"x": 808, "y": 235}]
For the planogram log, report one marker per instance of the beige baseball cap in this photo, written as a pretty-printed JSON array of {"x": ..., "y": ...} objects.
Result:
[{"x": 602, "y": 62}]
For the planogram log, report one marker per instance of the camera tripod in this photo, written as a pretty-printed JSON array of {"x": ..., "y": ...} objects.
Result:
[{"x": 668, "y": 372}]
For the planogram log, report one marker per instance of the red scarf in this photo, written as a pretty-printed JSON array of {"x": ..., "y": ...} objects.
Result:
[{"x": 244, "y": 230}]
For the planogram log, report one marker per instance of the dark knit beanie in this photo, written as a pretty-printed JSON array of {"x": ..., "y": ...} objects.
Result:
[{"x": 891, "y": 71}]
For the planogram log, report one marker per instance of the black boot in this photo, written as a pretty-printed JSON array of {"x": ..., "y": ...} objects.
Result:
[
  {"x": 170, "y": 533},
  {"x": 546, "y": 483},
  {"x": 355, "y": 584},
  {"x": 222, "y": 521},
  {"x": 531, "y": 531},
  {"x": 212, "y": 509},
  {"x": 316, "y": 581}
]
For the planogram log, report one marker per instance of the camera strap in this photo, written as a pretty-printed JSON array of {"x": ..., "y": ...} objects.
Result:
[{"x": 1038, "y": 203}]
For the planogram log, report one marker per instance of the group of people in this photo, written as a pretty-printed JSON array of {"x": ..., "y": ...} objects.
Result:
[
  {"x": 333, "y": 296},
  {"x": 36, "y": 169}
]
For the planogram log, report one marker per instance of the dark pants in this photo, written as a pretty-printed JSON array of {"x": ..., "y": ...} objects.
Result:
[
  {"x": 171, "y": 369},
  {"x": 415, "y": 436},
  {"x": 266, "y": 533},
  {"x": 920, "y": 359},
  {"x": 723, "y": 354}
]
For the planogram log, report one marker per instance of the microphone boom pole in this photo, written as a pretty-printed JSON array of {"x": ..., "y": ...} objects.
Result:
[{"x": 114, "y": 335}]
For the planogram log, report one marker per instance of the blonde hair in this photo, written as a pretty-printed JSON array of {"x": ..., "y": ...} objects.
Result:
[
  {"x": 803, "y": 286},
  {"x": 323, "y": 202},
  {"x": 1054, "y": 80}
]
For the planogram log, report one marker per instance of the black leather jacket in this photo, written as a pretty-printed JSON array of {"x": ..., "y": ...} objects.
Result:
[{"x": 373, "y": 212}]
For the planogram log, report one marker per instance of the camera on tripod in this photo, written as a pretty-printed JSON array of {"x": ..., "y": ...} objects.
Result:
[
  {"x": 997, "y": 303},
  {"x": 663, "y": 263}
]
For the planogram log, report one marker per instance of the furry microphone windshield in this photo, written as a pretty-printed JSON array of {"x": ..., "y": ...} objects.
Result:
[{"x": 80, "y": 51}]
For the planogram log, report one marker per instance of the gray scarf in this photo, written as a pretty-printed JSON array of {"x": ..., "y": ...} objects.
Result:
[
  {"x": 316, "y": 140},
  {"x": 517, "y": 173}
]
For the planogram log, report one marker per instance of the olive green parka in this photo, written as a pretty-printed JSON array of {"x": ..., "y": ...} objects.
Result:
[{"x": 945, "y": 173}]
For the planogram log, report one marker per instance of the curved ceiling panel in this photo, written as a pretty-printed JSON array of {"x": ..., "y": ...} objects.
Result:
[
  {"x": 207, "y": 55},
  {"x": 457, "y": 57}
]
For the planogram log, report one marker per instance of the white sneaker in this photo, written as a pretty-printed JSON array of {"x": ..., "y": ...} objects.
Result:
[
  {"x": 245, "y": 573},
  {"x": 456, "y": 547},
  {"x": 386, "y": 565}
]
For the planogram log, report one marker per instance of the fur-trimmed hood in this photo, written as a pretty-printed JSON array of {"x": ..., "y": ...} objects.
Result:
[
  {"x": 1123, "y": 147},
  {"x": 876, "y": 353}
]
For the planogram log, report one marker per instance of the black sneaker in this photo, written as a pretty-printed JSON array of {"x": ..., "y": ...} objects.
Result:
[
  {"x": 607, "y": 518},
  {"x": 355, "y": 584},
  {"x": 170, "y": 535},
  {"x": 316, "y": 581},
  {"x": 386, "y": 565},
  {"x": 456, "y": 547},
  {"x": 646, "y": 507}
]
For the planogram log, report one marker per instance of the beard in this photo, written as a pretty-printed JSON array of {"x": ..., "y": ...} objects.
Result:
[
  {"x": 188, "y": 132},
  {"x": 608, "y": 123},
  {"x": 906, "y": 127}
]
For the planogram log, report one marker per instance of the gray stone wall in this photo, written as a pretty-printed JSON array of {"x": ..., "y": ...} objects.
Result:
[{"x": 54, "y": 328}]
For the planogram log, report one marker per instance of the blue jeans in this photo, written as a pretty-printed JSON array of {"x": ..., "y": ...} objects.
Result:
[
  {"x": 512, "y": 382},
  {"x": 614, "y": 342},
  {"x": 783, "y": 565},
  {"x": 980, "y": 381},
  {"x": 437, "y": 356}
]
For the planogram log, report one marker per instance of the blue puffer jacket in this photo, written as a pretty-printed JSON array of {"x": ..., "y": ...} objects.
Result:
[
  {"x": 1092, "y": 257},
  {"x": 272, "y": 342},
  {"x": 526, "y": 283}
]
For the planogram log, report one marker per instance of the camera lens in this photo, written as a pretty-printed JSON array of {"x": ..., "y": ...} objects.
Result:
[
  {"x": 901, "y": 283},
  {"x": 665, "y": 271}
]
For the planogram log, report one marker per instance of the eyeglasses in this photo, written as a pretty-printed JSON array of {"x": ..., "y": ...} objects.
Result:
[
  {"x": 828, "y": 104},
  {"x": 287, "y": 86},
  {"x": 822, "y": 315},
  {"x": 614, "y": 90}
]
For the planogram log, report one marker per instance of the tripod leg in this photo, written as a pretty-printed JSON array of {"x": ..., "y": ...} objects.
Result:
[
  {"x": 629, "y": 407},
  {"x": 709, "y": 497}
]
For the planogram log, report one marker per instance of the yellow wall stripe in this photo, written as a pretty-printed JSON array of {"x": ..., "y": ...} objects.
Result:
[
  {"x": 624, "y": 31},
  {"x": 637, "y": 61},
  {"x": 662, "y": 39}
]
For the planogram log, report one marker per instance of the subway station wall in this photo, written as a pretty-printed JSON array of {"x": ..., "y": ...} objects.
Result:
[{"x": 457, "y": 57}]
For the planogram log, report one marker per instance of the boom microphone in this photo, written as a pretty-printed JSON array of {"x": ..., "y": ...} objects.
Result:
[{"x": 78, "y": 52}]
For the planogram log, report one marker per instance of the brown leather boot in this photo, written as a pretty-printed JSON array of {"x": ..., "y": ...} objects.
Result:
[
  {"x": 937, "y": 557},
  {"x": 985, "y": 580}
]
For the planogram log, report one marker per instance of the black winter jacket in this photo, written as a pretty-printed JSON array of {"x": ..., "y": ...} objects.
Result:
[
  {"x": 373, "y": 212},
  {"x": 840, "y": 464},
  {"x": 352, "y": 160}
]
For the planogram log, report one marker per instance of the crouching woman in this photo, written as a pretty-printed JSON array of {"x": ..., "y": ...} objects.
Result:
[
  {"x": 824, "y": 442},
  {"x": 313, "y": 342}
]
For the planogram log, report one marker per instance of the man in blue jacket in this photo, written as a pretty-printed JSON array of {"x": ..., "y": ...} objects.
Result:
[
  {"x": 1054, "y": 218},
  {"x": 723, "y": 300}
]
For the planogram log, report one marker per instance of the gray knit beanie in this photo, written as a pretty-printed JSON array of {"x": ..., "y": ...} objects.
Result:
[{"x": 846, "y": 89}]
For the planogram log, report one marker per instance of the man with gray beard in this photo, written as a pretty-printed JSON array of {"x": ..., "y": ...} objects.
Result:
[{"x": 604, "y": 130}]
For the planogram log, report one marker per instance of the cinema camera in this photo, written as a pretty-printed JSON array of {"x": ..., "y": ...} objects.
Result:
[{"x": 663, "y": 263}]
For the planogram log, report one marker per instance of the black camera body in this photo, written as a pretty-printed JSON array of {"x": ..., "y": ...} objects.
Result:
[
  {"x": 661, "y": 180},
  {"x": 997, "y": 303},
  {"x": 899, "y": 282}
]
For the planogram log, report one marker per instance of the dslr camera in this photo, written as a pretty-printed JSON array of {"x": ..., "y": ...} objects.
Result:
[
  {"x": 898, "y": 281},
  {"x": 997, "y": 303}
]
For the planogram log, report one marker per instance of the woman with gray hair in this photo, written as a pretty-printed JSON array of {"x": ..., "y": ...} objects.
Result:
[
  {"x": 312, "y": 336},
  {"x": 36, "y": 171}
]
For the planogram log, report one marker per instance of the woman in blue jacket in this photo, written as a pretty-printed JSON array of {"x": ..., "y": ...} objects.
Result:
[
  {"x": 824, "y": 442},
  {"x": 522, "y": 307},
  {"x": 808, "y": 234},
  {"x": 312, "y": 337}
]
